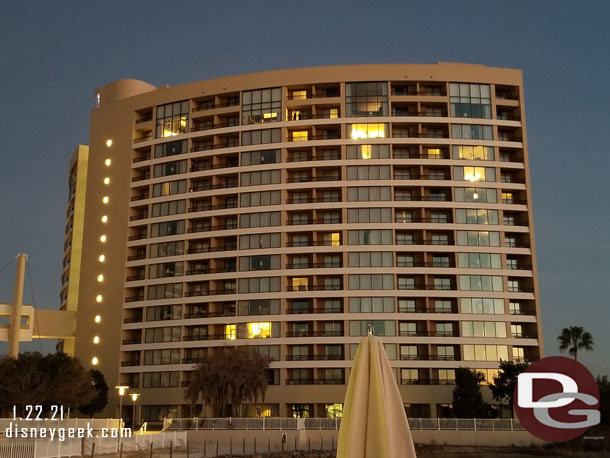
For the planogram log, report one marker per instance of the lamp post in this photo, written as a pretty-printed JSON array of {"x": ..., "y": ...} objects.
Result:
[
  {"x": 134, "y": 398},
  {"x": 122, "y": 390}
]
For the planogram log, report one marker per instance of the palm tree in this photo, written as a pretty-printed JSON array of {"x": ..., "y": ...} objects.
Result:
[
  {"x": 573, "y": 339},
  {"x": 227, "y": 378}
]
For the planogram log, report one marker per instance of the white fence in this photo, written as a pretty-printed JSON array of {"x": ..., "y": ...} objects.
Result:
[
  {"x": 270, "y": 423},
  {"x": 46, "y": 448}
]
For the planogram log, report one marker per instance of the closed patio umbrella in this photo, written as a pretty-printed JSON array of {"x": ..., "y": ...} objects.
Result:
[{"x": 374, "y": 423}]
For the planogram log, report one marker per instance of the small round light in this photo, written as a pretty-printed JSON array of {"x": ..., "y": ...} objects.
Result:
[
  {"x": 475, "y": 196},
  {"x": 96, "y": 339},
  {"x": 109, "y": 143},
  {"x": 102, "y": 258},
  {"x": 98, "y": 298},
  {"x": 107, "y": 162},
  {"x": 105, "y": 199},
  {"x": 97, "y": 319},
  {"x": 95, "y": 361},
  {"x": 100, "y": 278},
  {"x": 103, "y": 238},
  {"x": 104, "y": 219},
  {"x": 106, "y": 180}
]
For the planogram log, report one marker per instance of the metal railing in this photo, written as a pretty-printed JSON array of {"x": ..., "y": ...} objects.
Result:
[{"x": 277, "y": 423}]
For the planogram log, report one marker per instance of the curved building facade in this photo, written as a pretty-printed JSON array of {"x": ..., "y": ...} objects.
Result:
[{"x": 294, "y": 211}]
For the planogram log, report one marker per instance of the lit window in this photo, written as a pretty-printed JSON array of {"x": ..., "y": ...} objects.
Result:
[
  {"x": 507, "y": 198},
  {"x": 299, "y": 136},
  {"x": 334, "y": 410},
  {"x": 98, "y": 298},
  {"x": 300, "y": 283},
  {"x": 473, "y": 173},
  {"x": 434, "y": 153},
  {"x": 98, "y": 99},
  {"x": 360, "y": 131},
  {"x": 100, "y": 278},
  {"x": 270, "y": 116},
  {"x": 335, "y": 238},
  {"x": 96, "y": 339},
  {"x": 106, "y": 180},
  {"x": 102, "y": 258},
  {"x": 97, "y": 319},
  {"x": 105, "y": 199},
  {"x": 259, "y": 330},
  {"x": 95, "y": 361},
  {"x": 299, "y": 95},
  {"x": 104, "y": 219},
  {"x": 333, "y": 113},
  {"x": 103, "y": 238},
  {"x": 230, "y": 331},
  {"x": 107, "y": 162}
]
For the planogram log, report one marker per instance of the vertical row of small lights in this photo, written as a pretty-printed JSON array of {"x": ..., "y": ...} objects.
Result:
[{"x": 102, "y": 257}]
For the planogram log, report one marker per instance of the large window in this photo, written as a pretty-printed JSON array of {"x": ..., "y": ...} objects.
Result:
[
  {"x": 371, "y": 281},
  {"x": 368, "y": 172},
  {"x": 261, "y": 177},
  {"x": 476, "y": 195},
  {"x": 264, "y": 219},
  {"x": 170, "y": 168},
  {"x": 481, "y": 283},
  {"x": 261, "y": 105},
  {"x": 480, "y": 305},
  {"x": 478, "y": 238},
  {"x": 470, "y": 100},
  {"x": 169, "y": 187},
  {"x": 369, "y": 193},
  {"x": 485, "y": 353},
  {"x": 476, "y": 216},
  {"x": 472, "y": 131},
  {"x": 483, "y": 329},
  {"x": 473, "y": 153},
  {"x": 473, "y": 174},
  {"x": 260, "y": 137},
  {"x": 368, "y": 151},
  {"x": 378, "y": 328},
  {"x": 170, "y": 149},
  {"x": 360, "y": 131},
  {"x": 260, "y": 198},
  {"x": 370, "y": 237},
  {"x": 366, "y": 99},
  {"x": 480, "y": 260},
  {"x": 369, "y": 215},
  {"x": 269, "y": 156},
  {"x": 172, "y": 119},
  {"x": 371, "y": 305}
]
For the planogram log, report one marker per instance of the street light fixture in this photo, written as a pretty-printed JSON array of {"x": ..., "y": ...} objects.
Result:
[
  {"x": 122, "y": 390},
  {"x": 134, "y": 398}
]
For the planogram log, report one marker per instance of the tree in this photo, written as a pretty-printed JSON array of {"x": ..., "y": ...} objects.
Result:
[
  {"x": 467, "y": 398},
  {"x": 503, "y": 386},
  {"x": 100, "y": 401},
  {"x": 34, "y": 379},
  {"x": 604, "y": 398},
  {"x": 227, "y": 378},
  {"x": 573, "y": 339}
]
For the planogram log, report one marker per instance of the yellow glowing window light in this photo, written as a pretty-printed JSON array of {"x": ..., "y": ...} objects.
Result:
[
  {"x": 264, "y": 412},
  {"x": 360, "y": 131},
  {"x": 300, "y": 283},
  {"x": 269, "y": 115},
  {"x": 299, "y": 136},
  {"x": 365, "y": 151},
  {"x": 335, "y": 239},
  {"x": 230, "y": 331},
  {"x": 334, "y": 113},
  {"x": 507, "y": 197},
  {"x": 299, "y": 95},
  {"x": 259, "y": 330},
  {"x": 434, "y": 153},
  {"x": 473, "y": 173}
]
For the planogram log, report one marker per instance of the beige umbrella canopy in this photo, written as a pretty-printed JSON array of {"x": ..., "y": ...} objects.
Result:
[{"x": 374, "y": 423}]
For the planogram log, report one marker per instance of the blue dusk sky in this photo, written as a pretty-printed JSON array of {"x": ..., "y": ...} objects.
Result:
[{"x": 54, "y": 54}]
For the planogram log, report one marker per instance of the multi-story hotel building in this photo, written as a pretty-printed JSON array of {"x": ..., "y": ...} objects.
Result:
[{"x": 292, "y": 211}]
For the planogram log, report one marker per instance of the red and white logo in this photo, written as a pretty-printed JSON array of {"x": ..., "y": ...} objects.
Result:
[{"x": 557, "y": 399}]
